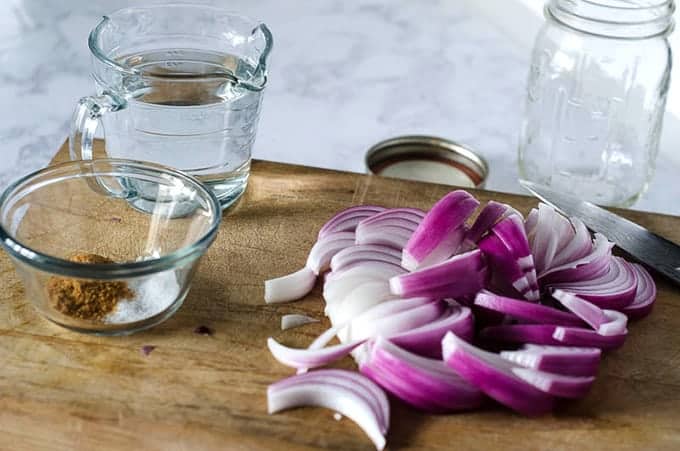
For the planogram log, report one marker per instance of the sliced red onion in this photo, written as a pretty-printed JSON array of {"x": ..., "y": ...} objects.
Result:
[
  {"x": 491, "y": 214},
  {"x": 290, "y": 287},
  {"x": 309, "y": 358},
  {"x": 424, "y": 383},
  {"x": 399, "y": 322},
  {"x": 645, "y": 294},
  {"x": 378, "y": 270},
  {"x": 347, "y": 220},
  {"x": 294, "y": 320},
  {"x": 556, "y": 384},
  {"x": 614, "y": 289},
  {"x": 358, "y": 301},
  {"x": 541, "y": 334},
  {"x": 460, "y": 275},
  {"x": 391, "y": 307},
  {"x": 345, "y": 331},
  {"x": 392, "y": 227},
  {"x": 530, "y": 224},
  {"x": 441, "y": 231},
  {"x": 319, "y": 258},
  {"x": 511, "y": 232},
  {"x": 507, "y": 251},
  {"x": 573, "y": 336},
  {"x": 494, "y": 376},
  {"x": 591, "y": 266},
  {"x": 547, "y": 334},
  {"x": 385, "y": 237},
  {"x": 526, "y": 311},
  {"x": 573, "y": 361},
  {"x": 364, "y": 252},
  {"x": 413, "y": 215},
  {"x": 348, "y": 393},
  {"x": 605, "y": 322},
  {"x": 426, "y": 339},
  {"x": 339, "y": 284},
  {"x": 551, "y": 234},
  {"x": 525, "y": 390},
  {"x": 580, "y": 245}
]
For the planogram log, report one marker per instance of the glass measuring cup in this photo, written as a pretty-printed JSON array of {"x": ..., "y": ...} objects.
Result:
[{"x": 179, "y": 85}]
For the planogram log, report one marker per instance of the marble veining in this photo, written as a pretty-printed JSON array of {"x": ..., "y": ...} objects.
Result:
[{"x": 343, "y": 76}]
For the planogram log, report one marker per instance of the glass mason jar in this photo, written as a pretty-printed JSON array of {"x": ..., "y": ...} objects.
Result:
[{"x": 596, "y": 96}]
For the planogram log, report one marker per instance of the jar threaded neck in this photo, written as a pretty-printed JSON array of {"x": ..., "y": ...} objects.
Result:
[{"x": 625, "y": 19}]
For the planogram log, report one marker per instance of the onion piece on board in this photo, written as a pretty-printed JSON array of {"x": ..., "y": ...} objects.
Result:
[
  {"x": 345, "y": 392},
  {"x": 427, "y": 384},
  {"x": 440, "y": 232}
]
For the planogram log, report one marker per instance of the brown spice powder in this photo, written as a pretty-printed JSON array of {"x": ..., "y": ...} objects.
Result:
[{"x": 86, "y": 299}]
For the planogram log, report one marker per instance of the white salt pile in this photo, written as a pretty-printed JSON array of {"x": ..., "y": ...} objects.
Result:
[{"x": 153, "y": 294}]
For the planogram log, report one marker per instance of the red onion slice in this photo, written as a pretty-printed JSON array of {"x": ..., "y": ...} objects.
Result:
[
  {"x": 645, "y": 294},
  {"x": 396, "y": 323},
  {"x": 591, "y": 266},
  {"x": 494, "y": 376},
  {"x": 337, "y": 390},
  {"x": 573, "y": 336},
  {"x": 605, "y": 322},
  {"x": 551, "y": 234},
  {"x": 491, "y": 214},
  {"x": 412, "y": 215},
  {"x": 460, "y": 275},
  {"x": 319, "y": 258},
  {"x": 358, "y": 301},
  {"x": 440, "y": 232},
  {"x": 556, "y": 384},
  {"x": 424, "y": 383},
  {"x": 290, "y": 287},
  {"x": 573, "y": 361},
  {"x": 426, "y": 339},
  {"x": 526, "y": 311},
  {"x": 541, "y": 334},
  {"x": 364, "y": 252},
  {"x": 615, "y": 289},
  {"x": 294, "y": 320},
  {"x": 510, "y": 269},
  {"x": 387, "y": 236},
  {"x": 309, "y": 358},
  {"x": 347, "y": 220},
  {"x": 580, "y": 245},
  {"x": 371, "y": 392}
]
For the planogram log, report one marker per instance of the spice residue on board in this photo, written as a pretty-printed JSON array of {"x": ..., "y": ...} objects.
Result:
[{"x": 86, "y": 299}]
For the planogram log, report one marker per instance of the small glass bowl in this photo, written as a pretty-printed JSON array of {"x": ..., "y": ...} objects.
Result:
[{"x": 153, "y": 222}]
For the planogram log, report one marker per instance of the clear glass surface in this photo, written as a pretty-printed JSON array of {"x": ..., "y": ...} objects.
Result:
[
  {"x": 90, "y": 207},
  {"x": 179, "y": 85},
  {"x": 596, "y": 96}
]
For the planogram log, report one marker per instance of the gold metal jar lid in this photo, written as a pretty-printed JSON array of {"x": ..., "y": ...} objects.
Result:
[{"x": 427, "y": 159}]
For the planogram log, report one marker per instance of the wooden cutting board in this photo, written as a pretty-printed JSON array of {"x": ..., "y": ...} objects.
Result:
[{"x": 66, "y": 391}]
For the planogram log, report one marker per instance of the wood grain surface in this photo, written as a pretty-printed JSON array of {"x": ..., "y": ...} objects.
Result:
[{"x": 60, "y": 390}]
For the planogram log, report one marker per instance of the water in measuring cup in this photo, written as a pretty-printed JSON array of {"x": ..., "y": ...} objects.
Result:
[{"x": 191, "y": 115}]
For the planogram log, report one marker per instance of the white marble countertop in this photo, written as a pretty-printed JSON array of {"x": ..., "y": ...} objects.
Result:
[{"x": 344, "y": 75}]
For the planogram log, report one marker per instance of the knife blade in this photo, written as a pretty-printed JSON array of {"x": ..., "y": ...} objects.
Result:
[{"x": 657, "y": 252}]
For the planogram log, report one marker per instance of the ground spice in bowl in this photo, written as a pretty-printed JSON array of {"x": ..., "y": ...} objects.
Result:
[{"x": 86, "y": 299}]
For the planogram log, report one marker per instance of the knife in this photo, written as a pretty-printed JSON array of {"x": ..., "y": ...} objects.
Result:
[{"x": 650, "y": 248}]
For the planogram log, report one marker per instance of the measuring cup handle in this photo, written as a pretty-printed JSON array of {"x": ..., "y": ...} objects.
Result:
[{"x": 86, "y": 118}]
